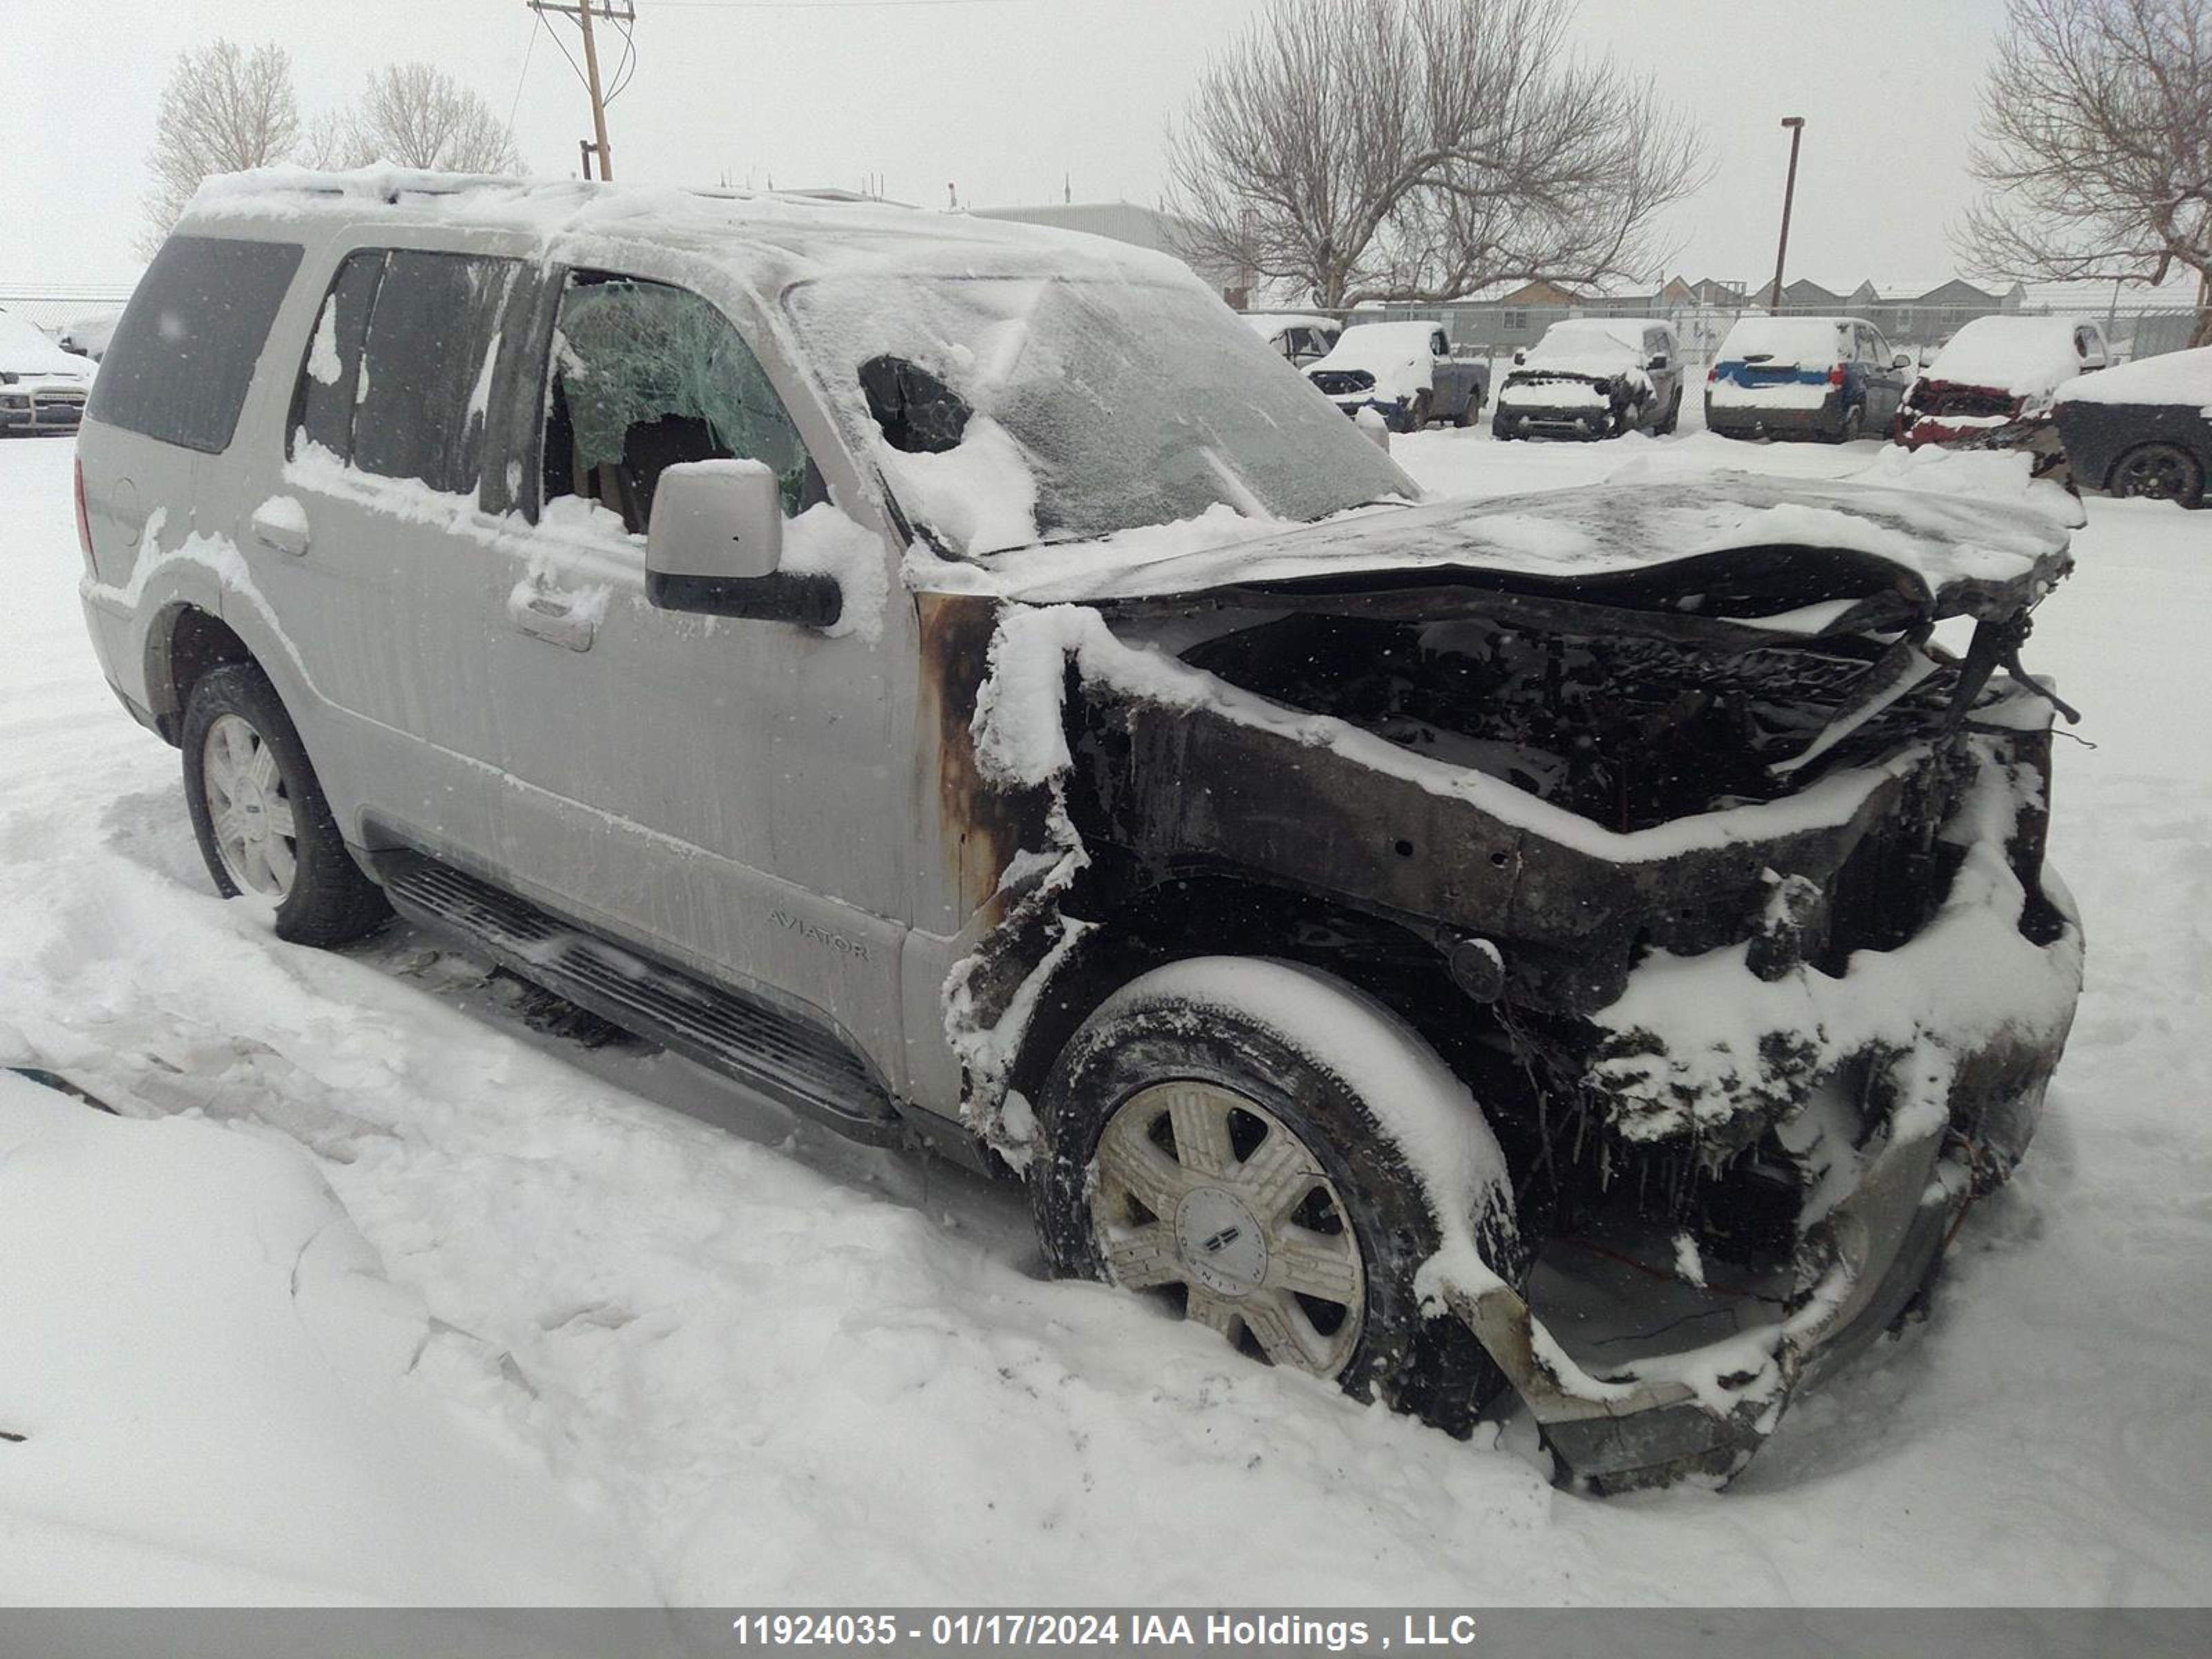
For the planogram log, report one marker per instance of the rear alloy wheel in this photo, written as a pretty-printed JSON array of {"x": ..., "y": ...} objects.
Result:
[
  {"x": 2160, "y": 472},
  {"x": 1192, "y": 1149},
  {"x": 1854, "y": 426},
  {"x": 255, "y": 830},
  {"x": 264, "y": 827}
]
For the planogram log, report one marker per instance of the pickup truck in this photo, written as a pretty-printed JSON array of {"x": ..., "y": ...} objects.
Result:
[{"x": 1406, "y": 372}]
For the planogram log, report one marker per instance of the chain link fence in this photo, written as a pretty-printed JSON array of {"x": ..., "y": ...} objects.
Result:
[{"x": 54, "y": 308}]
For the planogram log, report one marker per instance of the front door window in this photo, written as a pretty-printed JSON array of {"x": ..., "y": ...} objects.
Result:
[{"x": 645, "y": 376}]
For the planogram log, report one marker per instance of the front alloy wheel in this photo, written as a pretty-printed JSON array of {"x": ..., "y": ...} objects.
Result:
[
  {"x": 1223, "y": 1135},
  {"x": 1203, "y": 1192}
]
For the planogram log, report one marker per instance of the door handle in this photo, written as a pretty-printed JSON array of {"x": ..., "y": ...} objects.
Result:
[
  {"x": 551, "y": 617},
  {"x": 282, "y": 523}
]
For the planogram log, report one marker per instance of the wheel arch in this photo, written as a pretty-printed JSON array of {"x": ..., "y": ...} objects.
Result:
[
  {"x": 186, "y": 641},
  {"x": 1205, "y": 911}
]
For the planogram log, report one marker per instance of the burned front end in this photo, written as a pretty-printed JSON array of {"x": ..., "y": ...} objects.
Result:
[{"x": 1734, "y": 909}]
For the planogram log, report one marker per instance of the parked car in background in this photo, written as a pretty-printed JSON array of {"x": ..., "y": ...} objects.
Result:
[
  {"x": 1834, "y": 378},
  {"x": 42, "y": 387},
  {"x": 1594, "y": 377},
  {"x": 1992, "y": 386},
  {"x": 1405, "y": 372},
  {"x": 1301, "y": 338},
  {"x": 2144, "y": 428},
  {"x": 88, "y": 336}
]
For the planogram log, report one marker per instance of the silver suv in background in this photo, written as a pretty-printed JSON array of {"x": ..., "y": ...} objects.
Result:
[
  {"x": 954, "y": 679},
  {"x": 42, "y": 387}
]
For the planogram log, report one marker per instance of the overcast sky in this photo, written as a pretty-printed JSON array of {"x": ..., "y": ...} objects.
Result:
[{"x": 1004, "y": 98}]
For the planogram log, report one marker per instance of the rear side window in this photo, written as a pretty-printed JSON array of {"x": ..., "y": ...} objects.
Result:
[
  {"x": 397, "y": 380},
  {"x": 183, "y": 353}
]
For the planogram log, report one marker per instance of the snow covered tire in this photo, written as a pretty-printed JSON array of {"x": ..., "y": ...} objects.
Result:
[
  {"x": 326, "y": 900},
  {"x": 1218, "y": 1024}
]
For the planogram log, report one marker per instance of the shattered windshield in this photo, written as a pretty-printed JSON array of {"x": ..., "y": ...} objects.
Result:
[{"x": 1007, "y": 411}]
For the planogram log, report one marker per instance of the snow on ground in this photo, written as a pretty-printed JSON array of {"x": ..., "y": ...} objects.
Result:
[{"x": 707, "y": 1355}]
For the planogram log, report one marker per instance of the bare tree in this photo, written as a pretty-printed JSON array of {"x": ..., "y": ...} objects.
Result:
[
  {"x": 2096, "y": 146},
  {"x": 223, "y": 109},
  {"x": 414, "y": 115},
  {"x": 1420, "y": 148}
]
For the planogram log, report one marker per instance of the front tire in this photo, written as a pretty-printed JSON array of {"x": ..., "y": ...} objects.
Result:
[
  {"x": 1666, "y": 428},
  {"x": 1197, "y": 1142},
  {"x": 264, "y": 827}
]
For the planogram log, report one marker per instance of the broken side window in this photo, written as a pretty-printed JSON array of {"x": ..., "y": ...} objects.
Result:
[{"x": 646, "y": 376}]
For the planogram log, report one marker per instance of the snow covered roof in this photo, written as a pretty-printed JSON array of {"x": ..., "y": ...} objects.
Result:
[
  {"x": 1269, "y": 324},
  {"x": 2180, "y": 377},
  {"x": 2025, "y": 356},
  {"x": 778, "y": 239}
]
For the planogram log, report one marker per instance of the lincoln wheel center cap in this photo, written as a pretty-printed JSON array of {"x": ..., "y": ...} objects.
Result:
[{"x": 1220, "y": 1244}]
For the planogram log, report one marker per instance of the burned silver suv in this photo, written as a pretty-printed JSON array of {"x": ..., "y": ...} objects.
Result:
[{"x": 952, "y": 678}]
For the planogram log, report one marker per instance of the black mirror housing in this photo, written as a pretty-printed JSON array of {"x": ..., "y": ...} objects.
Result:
[{"x": 809, "y": 600}]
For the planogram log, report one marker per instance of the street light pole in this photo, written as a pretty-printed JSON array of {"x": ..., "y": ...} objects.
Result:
[{"x": 1796, "y": 125}]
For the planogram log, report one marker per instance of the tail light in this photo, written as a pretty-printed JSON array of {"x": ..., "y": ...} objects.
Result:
[
  {"x": 1836, "y": 375},
  {"x": 83, "y": 520},
  {"x": 1711, "y": 375}
]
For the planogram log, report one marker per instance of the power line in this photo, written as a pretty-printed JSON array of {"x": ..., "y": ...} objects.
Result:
[{"x": 536, "y": 22}]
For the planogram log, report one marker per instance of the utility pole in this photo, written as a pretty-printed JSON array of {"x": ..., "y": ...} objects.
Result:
[
  {"x": 1796, "y": 125},
  {"x": 599, "y": 104},
  {"x": 583, "y": 11}
]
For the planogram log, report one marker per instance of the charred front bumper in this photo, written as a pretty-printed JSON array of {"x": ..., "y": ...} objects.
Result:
[{"x": 1907, "y": 1085}]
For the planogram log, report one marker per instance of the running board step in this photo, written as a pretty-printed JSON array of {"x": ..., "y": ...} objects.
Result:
[{"x": 768, "y": 1052}]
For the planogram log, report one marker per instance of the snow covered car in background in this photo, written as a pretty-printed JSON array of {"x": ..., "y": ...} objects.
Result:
[
  {"x": 1833, "y": 378},
  {"x": 2144, "y": 428},
  {"x": 88, "y": 336},
  {"x": 1302, "y": 339},
  {"x": 1343, "y": 912},
  {"x": 1406, "y": 373},
  {"x": 42, "y": 387},
  {"x": 1592, "y": 377},
  {"x": 1991, "y": 385}
]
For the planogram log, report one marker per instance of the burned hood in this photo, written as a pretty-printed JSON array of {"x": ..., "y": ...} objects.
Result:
[{"x": 1774, "y": 555}]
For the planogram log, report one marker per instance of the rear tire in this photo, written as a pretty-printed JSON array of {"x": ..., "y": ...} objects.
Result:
[
  {"x": 263, "y": 824},
  {"x": 2158, "y": 472},
  {"x": 1666, "y": 429},
  {"x": 1191, "y": 1146},
  {"x": 1854, "y": 424}
]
